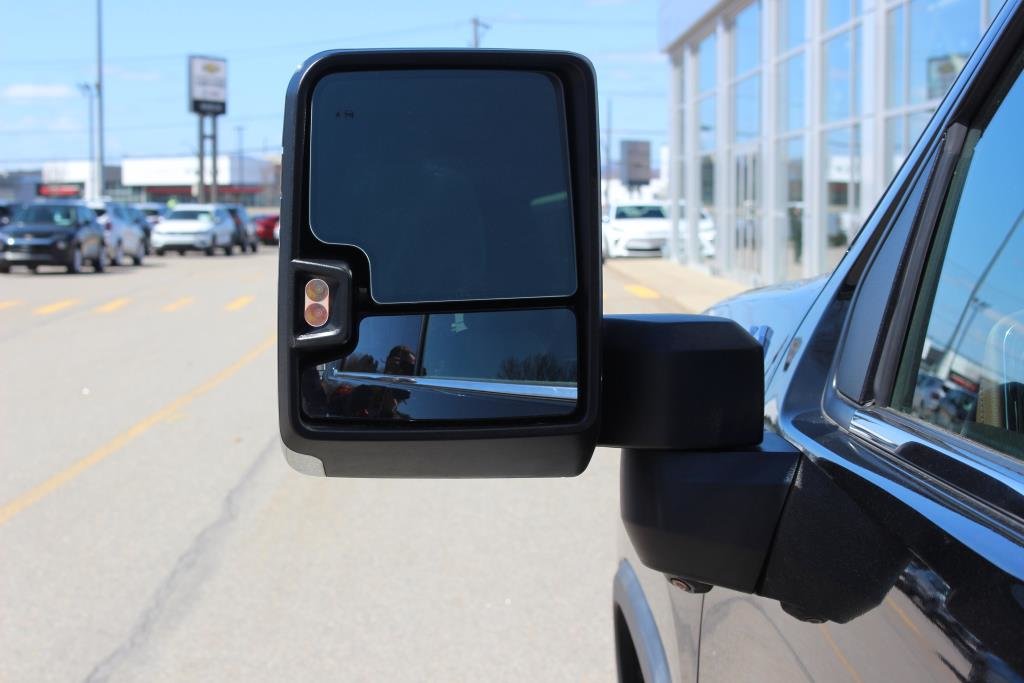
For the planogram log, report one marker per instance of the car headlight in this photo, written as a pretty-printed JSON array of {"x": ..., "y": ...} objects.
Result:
[{"x": 61, "y": 244}]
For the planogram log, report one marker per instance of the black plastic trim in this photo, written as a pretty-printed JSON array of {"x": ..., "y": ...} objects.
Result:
[
  {"x": 707, "y": 516},
  {"x": 680, "y": 382}
]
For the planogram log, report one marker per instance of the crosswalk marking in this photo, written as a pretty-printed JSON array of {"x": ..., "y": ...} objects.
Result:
[
  {"x": 177, "y": 305},
  {"x": 642, "y": 292},
  {"x": 9, "y": 304},
  {"x": 112, "y": 306},
  {"x": 55, "y": 306},
  {"x": 239, "y": 303}
]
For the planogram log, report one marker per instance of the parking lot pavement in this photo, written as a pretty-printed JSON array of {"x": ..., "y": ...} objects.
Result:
[
  {"x": 152, "y": 531},
  {"x": 684, "y": 289}
]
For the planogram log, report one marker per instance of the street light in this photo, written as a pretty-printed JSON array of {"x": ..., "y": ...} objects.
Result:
[{"x": 89, "y": 92}]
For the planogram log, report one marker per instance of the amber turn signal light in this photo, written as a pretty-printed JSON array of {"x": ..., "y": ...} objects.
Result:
[{"x": 317, "y": 308}]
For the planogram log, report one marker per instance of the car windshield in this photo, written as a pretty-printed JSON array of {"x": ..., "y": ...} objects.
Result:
[
  {"x": 190, "y": 215},
  {"x": 640, "y": 211},
  {"x": 47, "y": 215}
]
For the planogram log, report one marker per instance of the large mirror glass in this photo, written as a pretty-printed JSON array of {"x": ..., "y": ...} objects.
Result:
[
  {"x": 445, "y": 366},
  {"x": 455, "y": 183}
]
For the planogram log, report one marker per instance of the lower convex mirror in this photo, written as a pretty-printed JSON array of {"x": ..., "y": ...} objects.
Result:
[{"x": 491, "y": 365}]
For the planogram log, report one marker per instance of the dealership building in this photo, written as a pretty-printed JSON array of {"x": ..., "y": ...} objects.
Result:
[
  {"x": 789, "y": 118},
  {"x": 246, "y": 180}
]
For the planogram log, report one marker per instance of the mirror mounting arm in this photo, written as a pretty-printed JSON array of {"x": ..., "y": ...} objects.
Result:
[{"x": 683, "y": 382}]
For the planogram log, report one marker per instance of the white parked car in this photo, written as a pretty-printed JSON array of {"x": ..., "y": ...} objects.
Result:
[
  {"x": 642, "y": 229},
  {"x": 195, "y": 227},
  {"x": 122, "y": 236}
]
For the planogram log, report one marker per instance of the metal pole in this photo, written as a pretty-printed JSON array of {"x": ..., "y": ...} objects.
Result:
[
  {"x": 241, "y": 166},
  {"x": 477, "y": 25},
  {"x": 86, "y": 89},
  {"x": 608, "y": 158},
  {"x": 200, "y": 186},
  {"x": 100, "y": 185},
  {"x": 214, "y": 162}
]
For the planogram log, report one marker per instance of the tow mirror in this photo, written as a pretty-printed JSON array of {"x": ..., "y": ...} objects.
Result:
[{"x": 439, "y": 274}]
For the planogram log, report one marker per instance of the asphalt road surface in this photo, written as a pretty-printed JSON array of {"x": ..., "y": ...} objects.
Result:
[{"x": 150, "y": 529}]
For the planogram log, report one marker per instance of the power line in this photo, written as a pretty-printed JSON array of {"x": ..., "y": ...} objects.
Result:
[
  {"x": 154, "y": 126},
  {"x": 235, "y": 52}
]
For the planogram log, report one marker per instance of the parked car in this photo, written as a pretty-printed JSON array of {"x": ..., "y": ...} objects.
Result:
[
  {"x": 138, "y": 216},
  {"x": 195, "y": 227},
  {"x": 789, "y": 511},
  {"x": 53, "y": 233},
  {"x": 123, "y": 235},
  {"x": 266, "y": 227},
  {"x": 154, "y": 211},
  {"x": 245, "y": 229},
  {"x": 928, "y": 391},
  {"x": 7, "y": 211},
  {"x": 642, "y": 229}
]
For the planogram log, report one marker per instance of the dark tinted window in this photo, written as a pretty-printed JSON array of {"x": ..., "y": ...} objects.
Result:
[
  {"x": 455, "y": 183},
  {"x": 44, "y": 214},
  {"x": 190, "y": 215},
  {"x": 640, "y": 211},
  {"x": 963, "y": 368}
]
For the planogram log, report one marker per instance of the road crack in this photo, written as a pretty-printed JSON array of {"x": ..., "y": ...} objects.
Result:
[{"x": 174, "y": 594}]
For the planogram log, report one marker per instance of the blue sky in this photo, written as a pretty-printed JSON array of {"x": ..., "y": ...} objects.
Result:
[{"x": 49, "y": 48}]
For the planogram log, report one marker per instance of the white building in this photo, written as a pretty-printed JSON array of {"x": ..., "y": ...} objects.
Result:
[
  {"x": 178, "y": 176},
  {"x": 789, "y": 117}
]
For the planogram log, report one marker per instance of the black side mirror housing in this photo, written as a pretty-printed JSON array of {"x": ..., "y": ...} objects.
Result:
[
  {"x": 418, "y": 368},
  {"x": 439, "y": 281}
]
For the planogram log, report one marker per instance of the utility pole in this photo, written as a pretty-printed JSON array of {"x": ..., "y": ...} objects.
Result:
[
  {"x": 86, "y": 89},
  {"x": 100, "y": 185},
  {"x": 477, "y": 25}
]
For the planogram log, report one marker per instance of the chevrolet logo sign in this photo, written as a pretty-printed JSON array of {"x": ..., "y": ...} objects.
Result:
[{"x": 211, "y": 68}]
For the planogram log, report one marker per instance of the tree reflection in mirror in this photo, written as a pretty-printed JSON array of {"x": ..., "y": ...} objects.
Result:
[{"x": 494, "y": 365}]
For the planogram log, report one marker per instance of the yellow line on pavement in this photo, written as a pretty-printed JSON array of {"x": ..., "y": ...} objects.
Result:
[
  {"x": 176, "y": 305},
  {"x": 112, "y": 306},
  {"x": 642, "y": 292},
  {"x": 34, "y": 495},
  {"x": 55, "y": 306},
  {"x": 239, "y": 303},
  {"x": 9, "y": 304},
  {"x": 837, "y": 651}
]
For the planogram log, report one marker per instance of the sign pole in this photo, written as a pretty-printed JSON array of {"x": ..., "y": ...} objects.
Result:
[
  {"x": 200, "y": 186},
  {"x": 213, "y": 163},
  {"x": 207, "y": 96}
]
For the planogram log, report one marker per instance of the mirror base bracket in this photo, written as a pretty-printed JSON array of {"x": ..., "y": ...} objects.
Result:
[{"x": 708, "y": 517}]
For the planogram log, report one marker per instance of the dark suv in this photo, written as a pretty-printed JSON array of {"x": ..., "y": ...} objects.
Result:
[{"x": 58, "y": 233}]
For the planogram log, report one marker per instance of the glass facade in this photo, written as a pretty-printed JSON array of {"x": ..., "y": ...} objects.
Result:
[{"x": 801, "y": 113}]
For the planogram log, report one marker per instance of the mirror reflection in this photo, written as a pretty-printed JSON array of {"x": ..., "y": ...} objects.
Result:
[
  {"x": 443, "y": 366},
  {"x": 452, "y": 182}
]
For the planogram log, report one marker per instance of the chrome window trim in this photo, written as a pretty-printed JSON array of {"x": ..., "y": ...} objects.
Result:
[{"x": 887, "y": 430}]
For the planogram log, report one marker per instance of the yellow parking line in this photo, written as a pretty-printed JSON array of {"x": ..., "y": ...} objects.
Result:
[
  {"x": 55, "y": 306},
  {"x": 642, "y": 292},
  {"x": 837, "y": 651},
  {"x": 176, "y": 305},
  {"x": 112, "y": 306},
  {"x": 34, "y": 495},
  {"x": 9, "y": 304},
  {"x": 239, "y": 303}
]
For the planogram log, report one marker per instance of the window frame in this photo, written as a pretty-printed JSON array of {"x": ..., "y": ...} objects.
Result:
[{"x": 988, "y": 476}]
